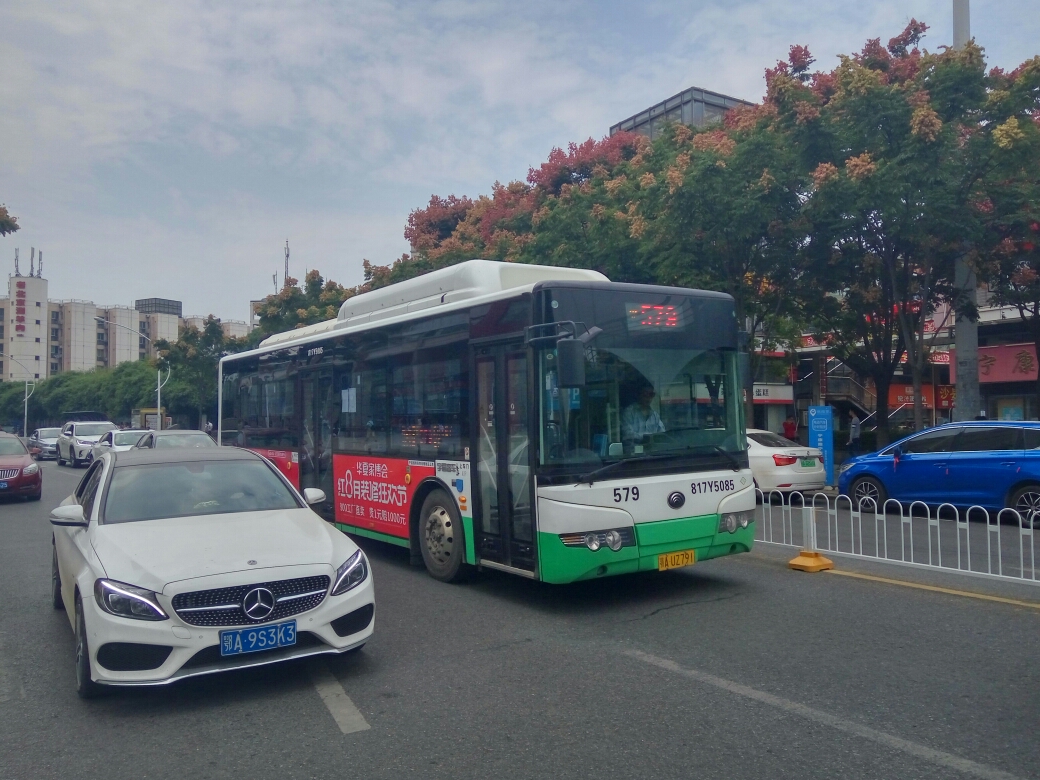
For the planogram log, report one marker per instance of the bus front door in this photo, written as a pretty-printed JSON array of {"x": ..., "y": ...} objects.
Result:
[
  {"x": 318, "y": 408},
  {"x": 504, "y": 521}
]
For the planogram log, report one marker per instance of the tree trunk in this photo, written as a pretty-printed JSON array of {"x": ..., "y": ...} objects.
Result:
[
  {"x": 881, "y": 409},
  {"x": 916, "y": 372}
]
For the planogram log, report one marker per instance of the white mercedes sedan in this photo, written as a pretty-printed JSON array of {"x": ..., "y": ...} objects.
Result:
[{"x": 176, "y": 563}]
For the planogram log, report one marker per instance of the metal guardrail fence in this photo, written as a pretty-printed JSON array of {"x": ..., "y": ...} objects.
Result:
[{"x": 977, "y": 542}]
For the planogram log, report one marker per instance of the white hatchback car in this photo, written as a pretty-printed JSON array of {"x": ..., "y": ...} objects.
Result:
[
  {"x": 781, "y": 464},
  {"x": 177, "y": 563}
]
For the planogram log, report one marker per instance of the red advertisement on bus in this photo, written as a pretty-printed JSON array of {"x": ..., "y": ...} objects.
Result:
[
  {"x": 375, "y": 493},
  {"x": 287, "y": 461}
]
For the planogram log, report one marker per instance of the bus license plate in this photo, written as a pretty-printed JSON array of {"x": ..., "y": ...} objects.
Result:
[
  {"x": 808, "y": 463},
  {"x": 252, "y": 640},
  {"x": 674, "y": 560}
]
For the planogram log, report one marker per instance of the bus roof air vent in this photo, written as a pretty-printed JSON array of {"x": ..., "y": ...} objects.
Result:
[{"x": 462, "y": 282}]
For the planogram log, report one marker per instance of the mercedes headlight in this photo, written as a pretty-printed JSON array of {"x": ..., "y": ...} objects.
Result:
[
  {"x": 351, "y": 574},
  {"x": 129, "y": 601},
  {"x": 32, "y": 468}
]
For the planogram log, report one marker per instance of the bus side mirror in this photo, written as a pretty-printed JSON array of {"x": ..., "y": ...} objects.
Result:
[{"x": 571, "y": 362}]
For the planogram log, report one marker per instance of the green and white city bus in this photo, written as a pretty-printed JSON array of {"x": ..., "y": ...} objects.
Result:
[{"x": 541, "y": 421}]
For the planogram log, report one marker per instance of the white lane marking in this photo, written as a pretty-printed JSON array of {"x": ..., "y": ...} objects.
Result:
[
  {"x": 939, "y": 757},
  {"x": 347, "y": 716}
]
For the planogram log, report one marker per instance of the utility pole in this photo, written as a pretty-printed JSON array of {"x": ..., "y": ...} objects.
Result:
[
  {"x": 966, "y": 332},
  {"x": 286, "y": 261}
]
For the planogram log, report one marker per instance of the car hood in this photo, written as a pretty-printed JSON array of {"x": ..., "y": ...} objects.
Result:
[
  {"x": 154, "y": 553},
  {"x": 14, "y": 461},
  {"x": 88, "y": 439}
]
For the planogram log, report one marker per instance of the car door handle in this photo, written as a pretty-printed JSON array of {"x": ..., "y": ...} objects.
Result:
[{"x": 1008, "y": 463}]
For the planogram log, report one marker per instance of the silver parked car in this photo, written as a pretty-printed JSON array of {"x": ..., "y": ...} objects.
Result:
[
  {"x": 46, "y": 441},
  {"x": 77, "y": 439}
]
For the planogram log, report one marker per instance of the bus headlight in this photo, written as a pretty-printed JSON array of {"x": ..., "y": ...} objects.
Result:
[
  {"x": 613, "y": 539},
  {"x": 729, "y": 522}
]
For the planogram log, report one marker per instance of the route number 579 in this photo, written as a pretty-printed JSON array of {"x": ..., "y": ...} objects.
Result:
[{"x": 626, "y": 494}]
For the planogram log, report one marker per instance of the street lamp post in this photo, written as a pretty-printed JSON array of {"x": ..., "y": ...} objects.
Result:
[
  {"x": 28, "y": 395},
  {"x": 159, "y": 382}
]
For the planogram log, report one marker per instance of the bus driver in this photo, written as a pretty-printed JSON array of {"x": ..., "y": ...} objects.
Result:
[{"x": 640, "y": 419}]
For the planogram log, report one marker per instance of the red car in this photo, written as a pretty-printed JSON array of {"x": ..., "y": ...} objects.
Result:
[{"x": 19, "y": 474}]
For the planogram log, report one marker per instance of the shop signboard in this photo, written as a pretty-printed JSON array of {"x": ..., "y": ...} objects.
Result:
[
  {"x": 1004, "y": 363},
  {"x": 902, "y": 394}
]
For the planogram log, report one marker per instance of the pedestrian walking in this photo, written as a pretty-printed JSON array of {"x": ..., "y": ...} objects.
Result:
[{"x": 854, "y": 431}]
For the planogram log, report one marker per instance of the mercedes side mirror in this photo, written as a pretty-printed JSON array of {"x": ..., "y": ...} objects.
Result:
[
  {"x": 571, "y": 362},
  {"x": 313, "y": 496},
  {"x": 70, "y": 515}
]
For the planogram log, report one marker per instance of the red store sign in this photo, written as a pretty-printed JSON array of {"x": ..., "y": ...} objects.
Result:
[{"x": 1003, "y": 363}]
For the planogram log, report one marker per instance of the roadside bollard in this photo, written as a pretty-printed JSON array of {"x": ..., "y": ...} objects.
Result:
[{"x": 809, "y": 558}]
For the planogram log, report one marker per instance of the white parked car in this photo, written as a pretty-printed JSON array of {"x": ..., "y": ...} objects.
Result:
[
  {"x": 184, "y": 562},
  {"x": 77, "y": 439},
  {"x": 117, "y": 441},
  {"x": 781, "y": 464}
]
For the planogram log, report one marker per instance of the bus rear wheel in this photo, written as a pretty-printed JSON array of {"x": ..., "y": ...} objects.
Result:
[{"x": 440, "y": 537}]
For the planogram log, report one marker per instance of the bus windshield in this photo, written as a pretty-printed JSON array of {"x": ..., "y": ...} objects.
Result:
[{"x": 657, "y": 384}]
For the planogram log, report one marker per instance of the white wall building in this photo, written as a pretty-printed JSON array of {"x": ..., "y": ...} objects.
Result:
[{"x": 25, "y": 331}]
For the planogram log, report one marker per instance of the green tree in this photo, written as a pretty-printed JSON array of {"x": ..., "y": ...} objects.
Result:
[
  {"x": 192, "y": 361},
  {"x": 1010, "y": 209},
  {"x": 884, "y": 135},
  {"x": 295, "y": 306},
  {"x": 8, "y": 224}
]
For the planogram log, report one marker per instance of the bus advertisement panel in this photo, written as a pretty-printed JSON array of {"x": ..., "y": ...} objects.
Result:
[{"x": 376, "y": 494}]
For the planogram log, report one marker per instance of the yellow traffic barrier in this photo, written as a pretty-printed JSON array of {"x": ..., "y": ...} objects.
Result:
[{"x": 810, "y": 560}]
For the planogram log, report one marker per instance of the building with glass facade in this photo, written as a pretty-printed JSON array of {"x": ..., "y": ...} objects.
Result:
[{"x": 696, "y": 107}]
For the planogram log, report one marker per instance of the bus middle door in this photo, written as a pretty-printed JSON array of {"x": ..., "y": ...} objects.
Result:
[{"x": 504, "y": 522}]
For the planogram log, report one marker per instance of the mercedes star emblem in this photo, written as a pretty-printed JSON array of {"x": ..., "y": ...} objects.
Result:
[{"x": 258, "y": 604}]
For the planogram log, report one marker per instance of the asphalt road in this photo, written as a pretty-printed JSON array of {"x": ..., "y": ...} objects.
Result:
[{"x": 738, "y": 668}]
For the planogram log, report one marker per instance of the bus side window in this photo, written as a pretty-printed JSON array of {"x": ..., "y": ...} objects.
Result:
[{"x": 363, "y": 424}]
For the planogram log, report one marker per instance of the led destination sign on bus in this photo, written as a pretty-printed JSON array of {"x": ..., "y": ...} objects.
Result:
[{"x": 650, "y": 316}]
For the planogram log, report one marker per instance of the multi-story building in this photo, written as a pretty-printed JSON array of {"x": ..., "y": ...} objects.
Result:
[
  {"x": 697, "y": 107},
  {"x": 24, "y": 330},
  {"x": 42, "y": 337},
  {"x": 233, "y": 329}
]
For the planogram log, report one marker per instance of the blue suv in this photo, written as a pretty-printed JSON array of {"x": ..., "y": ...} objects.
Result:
[{"x": 991, "y": 464}]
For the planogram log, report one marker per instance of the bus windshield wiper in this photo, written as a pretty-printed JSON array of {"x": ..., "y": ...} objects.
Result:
[
  {"x": 728, "y": 456},
  {"x": 592, "y": 475}
]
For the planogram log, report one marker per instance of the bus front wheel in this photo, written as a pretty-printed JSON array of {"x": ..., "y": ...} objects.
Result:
[{"x": 440, "y": 537}]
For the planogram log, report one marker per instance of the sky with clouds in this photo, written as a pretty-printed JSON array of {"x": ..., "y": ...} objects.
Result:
[{"x": 170, "y": 149}]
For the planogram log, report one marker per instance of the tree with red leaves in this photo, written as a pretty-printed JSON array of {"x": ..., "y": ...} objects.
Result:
[{"x": 892, "y": 180}]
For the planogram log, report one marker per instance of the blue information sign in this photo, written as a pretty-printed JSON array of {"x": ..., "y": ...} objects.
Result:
[{"x": 821, "y": 436}]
